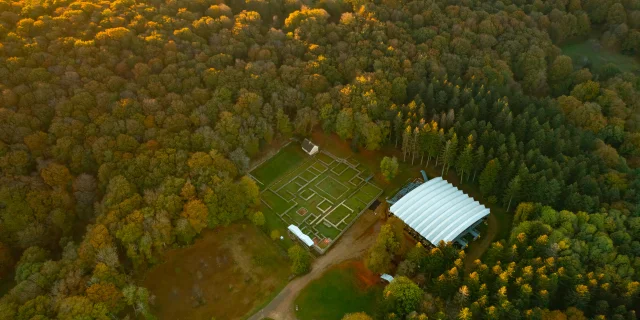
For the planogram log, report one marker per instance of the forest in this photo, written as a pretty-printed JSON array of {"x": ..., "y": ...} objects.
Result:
[{"x": 127, "y": 127}]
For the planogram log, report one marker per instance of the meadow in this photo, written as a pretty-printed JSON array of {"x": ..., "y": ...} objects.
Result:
[
  {"x": 346, "y": 288},
  {"x": 225, "y": 274},
  {"x": 593, "y": 55}
]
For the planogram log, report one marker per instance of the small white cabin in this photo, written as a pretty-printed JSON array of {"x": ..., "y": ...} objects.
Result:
[{"x": 309, "y": 147}]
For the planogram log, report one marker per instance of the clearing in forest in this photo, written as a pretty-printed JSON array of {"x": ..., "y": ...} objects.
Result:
[
  {"x": 226, "y": 274},
  {"x": 321, "y": 194},
  {"x": 346, "y": 288},
  {"x": 592, "y": 54}
]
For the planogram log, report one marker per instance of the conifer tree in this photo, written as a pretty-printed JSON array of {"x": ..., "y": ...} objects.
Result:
[
  {"x": 406, "y": 142},
  {"x": 513, "y": 191},
  {"x": 449, "y": 152},
  {"x": 464, "y": 164},
  {"x": 398, "y": 126},
  {"x": 489, "y": 176}
]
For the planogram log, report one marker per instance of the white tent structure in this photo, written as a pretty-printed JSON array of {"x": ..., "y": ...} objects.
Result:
[
  {"x": 437, "y": 211},
  {"x": 303, "y": 237}
]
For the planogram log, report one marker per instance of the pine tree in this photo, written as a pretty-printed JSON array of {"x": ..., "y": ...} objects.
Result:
[
  {"x": 513, "y": 190},
  {"x": 406, "y": 143},
  {"x": 478, "y": 161},
  {"x": 398, "y": 126},
  {"x": 424, "y": 139},
  {"x": 489, "y": 176},
  {"x": 415, "y": 143},
  {"x": 431, "y": 144},
  {"x": 449, "y": 151},
  {"x": 436, "y": 144},
  {"x": 465, "y": 161}
]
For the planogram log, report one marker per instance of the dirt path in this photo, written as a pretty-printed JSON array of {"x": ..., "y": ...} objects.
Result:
[
  {"x": 483, "y": 245},
  {"x": 353, "y": 244}
]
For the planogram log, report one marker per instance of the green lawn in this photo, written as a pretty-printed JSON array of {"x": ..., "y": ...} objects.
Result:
[
  {"x": 307, "y": 175},
  {"x": 347, "y": 175},
  {"x": 319, "y": 167},
  {"x": 275, "y": 202},
  {"x": 324, "y": 158},
  {"x": 337, "y": 292},
  {"x": 290, "y": 156},
  {"x": 324, "y": 205},
  {"x": 338, "y": 213},
  {"x": 599, "y": 56},
  {"x": 371, "y": 190},
  {"x": 329, "y": 232},
  {"x": 339, "y": 168},
  {"x": 273, "y": 222},
  {"x": 332, "y": 187},
  {"x": 355, "y": 202},
  {"x": 290, "y": 188},
  {"x": 296, "y": 216}
]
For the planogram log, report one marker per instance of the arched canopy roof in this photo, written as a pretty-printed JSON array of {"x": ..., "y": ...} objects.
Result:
[{"x": 437, "y": 210}]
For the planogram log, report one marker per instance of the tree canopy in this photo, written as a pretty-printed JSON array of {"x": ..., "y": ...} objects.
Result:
[{"x": 126, "y": 128}]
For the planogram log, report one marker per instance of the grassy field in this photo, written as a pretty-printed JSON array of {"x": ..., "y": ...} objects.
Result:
[
  {"x": 346, "y": 288},
  {"x": 226, "y": 274},
  {"x": 331, "y": 190},
  {"x": 599, "y": 56},
  {"x": 289, "y": 156}
]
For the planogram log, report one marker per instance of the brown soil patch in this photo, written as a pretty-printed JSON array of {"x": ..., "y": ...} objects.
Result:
[
  {"x": 224, "y": 274},
  {"x": 366, "y": 278}
]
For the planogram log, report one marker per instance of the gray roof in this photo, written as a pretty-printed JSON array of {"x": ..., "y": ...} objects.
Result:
[
  {"x": 307, "y": 145},
  {"x": 437, "y": 210}
]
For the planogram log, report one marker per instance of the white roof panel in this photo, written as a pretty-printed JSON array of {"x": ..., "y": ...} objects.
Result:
[
  {"x": 438, "y": 210},
  {"x": 305, "y": 238}
]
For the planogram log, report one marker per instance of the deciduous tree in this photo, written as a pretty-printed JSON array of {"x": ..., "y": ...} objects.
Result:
[
  {"x": 300, "y": 260},
  {"x": 402, "y": 295},
  {"x": 389, "y": 167},
  {"x": 386, "y": 246}
]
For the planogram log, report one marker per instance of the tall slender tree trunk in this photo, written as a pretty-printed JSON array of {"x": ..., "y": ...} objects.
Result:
[
  {"x": 421, "y": 158},
  {"x": 474, "y": 176},
  {"x": 509, "y": 206},
  {"x": 413, "y": 156},
  {"x": 442, "y": 174},
  {"x": 396, "y": 141}
]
